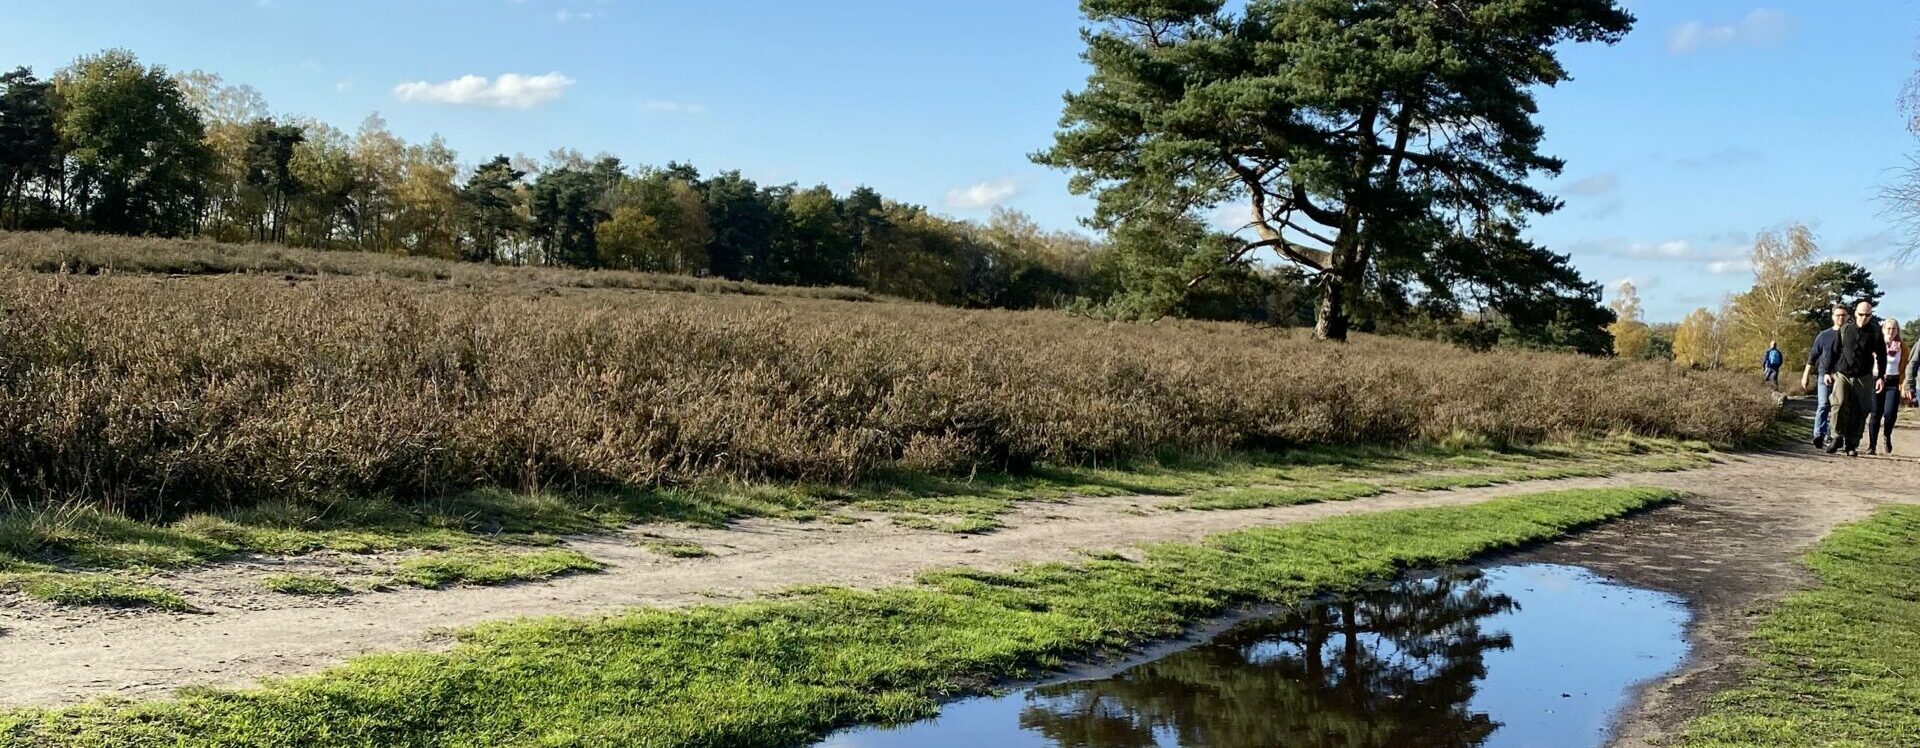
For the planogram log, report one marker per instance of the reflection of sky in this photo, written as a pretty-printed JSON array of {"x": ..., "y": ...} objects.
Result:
[
  {"x": 1577, "y": 635},
  {"x": 1573, "y": 633}
]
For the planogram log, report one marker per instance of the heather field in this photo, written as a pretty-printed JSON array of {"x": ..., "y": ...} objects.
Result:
[{"x": 152, "y": 393}]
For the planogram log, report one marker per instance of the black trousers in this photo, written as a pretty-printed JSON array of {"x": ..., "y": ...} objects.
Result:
[{"x": 1886, "y": 410}]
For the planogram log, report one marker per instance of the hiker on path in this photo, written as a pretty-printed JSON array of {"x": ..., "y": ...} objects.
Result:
[
  {"x": 1887, "y": 401},
  {"x": 1814, "y": 377},
  {"x": 1854, "y": 367},
  {"x": 1772, "y": 361}
]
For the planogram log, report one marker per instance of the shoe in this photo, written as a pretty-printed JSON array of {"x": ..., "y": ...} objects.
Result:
[
  {"x": 1871, "y": 451},
  {"x": 1819, "y": 441},
  {"x": 1833, "y": 446},
  {"x": 1852, "y": 453}
]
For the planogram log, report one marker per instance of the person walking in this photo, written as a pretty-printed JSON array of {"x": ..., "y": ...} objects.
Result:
[
  {"x": 1771, "y": 362},
  {"x": 1887, "y": 401},
  {"x": 1814, "y": 377},
  {"x": 1854, "y": 367}
]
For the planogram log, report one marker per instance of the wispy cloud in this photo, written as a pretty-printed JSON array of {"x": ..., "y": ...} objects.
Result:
[
  {"x": 983, "y": 195},
  {"x": 1761, "y": 27},
  {"x": 564, "y": 15},
  {"x": 673, "y": 107},
  {"x": 509, "y": 91},
  {"x": 1729, "y": 267},
  {"x": 1595, "y": 186}
]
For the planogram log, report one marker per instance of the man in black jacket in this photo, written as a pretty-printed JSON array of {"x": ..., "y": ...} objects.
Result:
[{"x": 1853, "y": 371}]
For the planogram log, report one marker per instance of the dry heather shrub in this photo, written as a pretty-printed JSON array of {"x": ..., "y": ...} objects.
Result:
[
  {"x": 92, "y": 254},
  {"x": 155, "y": 394}
]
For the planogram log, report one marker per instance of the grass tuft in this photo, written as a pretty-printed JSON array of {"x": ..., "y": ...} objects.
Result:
[
  {"x": 95, "y": 590},
  {"x": 303, "y": 584},
  {"x": 491, "y": 567}
]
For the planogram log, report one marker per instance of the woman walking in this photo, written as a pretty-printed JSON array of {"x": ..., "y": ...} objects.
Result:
[{"x": 1887, "y": 401}]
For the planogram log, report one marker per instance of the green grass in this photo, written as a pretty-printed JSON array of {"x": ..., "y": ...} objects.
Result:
[
  {"x": 489, "y": 567},
  {"x": 94, "y": 590},
  {"x": 784, "y": 672},
  {"x": 676, "y": 548},
  {"x": 303, "y": 584},
  {"x": 48, "y": 540},
  {"x": 1256, "y": 498},
  {"x": 1837, "y": 665}
]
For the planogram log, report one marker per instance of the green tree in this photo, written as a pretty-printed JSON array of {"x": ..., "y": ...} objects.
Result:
[
  {"x": 743, "y": 221},
  {"x": 1836, "y": 282},
  {"x": 1360, "y": 134},
  {"x": 564, "y": 211},
  {"x": 492, "y": 199},
  {"x": 137, "y": 147},
  {"x": 269, "y": 171},
  {"x": 320, "y": 215},
  {"x": 30, "y": 152}
]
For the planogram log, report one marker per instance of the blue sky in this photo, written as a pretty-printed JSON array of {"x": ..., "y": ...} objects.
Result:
[{"x": 1713, "y": 120}]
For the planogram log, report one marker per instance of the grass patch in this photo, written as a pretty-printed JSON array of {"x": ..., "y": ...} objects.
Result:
[
  {"x": 303, "y": 584},
  {"x": 1257, "y": 498},
  {"x": 1839, "y": 664},
  {"x": 491, "y": 567},
  {"x": 965, "y": 525},
  {"x": 676, "y": 548},
  {"x": 95, "y": 590},
  {"x": 784, "y": 672}
]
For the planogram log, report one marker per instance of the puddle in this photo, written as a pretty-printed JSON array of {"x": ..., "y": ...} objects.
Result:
[{"x": 1524, "y": 656}]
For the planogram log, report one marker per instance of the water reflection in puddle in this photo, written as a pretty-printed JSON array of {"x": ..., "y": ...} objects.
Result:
[{"x": 1530, "y": 656}]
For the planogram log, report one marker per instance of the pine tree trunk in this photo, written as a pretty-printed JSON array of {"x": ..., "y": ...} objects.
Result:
[{"x": 1331, "y": 319}]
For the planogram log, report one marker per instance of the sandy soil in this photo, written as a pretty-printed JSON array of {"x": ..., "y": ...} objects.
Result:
[{"x": 1729, "y": 549}]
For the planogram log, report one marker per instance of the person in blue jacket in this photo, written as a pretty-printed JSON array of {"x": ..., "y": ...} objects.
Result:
[{"x": 1772, "y": 361}]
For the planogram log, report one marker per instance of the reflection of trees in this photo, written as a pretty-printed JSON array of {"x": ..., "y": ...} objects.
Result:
[{"x": 1389, "y": 668}]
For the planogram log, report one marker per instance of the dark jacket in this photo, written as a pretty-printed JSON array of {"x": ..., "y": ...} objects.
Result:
[
  {"x": 1860, "y": 350},
  {"x": 1823, "y": 345}
]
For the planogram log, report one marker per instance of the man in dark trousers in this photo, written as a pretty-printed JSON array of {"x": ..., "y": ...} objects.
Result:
[
  {"x": 1815, "y": 378},
  {"x": 1853, "y": 371}
]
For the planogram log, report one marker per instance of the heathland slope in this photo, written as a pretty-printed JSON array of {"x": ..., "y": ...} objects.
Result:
[{"x": 155, "y": 393}]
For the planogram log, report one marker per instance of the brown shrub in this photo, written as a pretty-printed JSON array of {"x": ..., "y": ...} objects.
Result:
[
  {"x": 93, "y": 254},
  {"x": 158, "y": 394}
]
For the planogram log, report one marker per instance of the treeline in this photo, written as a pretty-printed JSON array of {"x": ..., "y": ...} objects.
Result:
[
  {"x": 111, "y": 145},
  {"x": 1791, "y": 299}
]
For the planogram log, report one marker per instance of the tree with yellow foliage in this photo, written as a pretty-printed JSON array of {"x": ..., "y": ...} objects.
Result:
[
  {"x": 1631, "y": 336},
  {"x": 1698, "y": 342},
  {"x": 1774, "y": 310}
]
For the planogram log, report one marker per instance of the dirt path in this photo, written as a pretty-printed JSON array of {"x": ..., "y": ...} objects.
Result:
[{"x": 1760, "y": 510}]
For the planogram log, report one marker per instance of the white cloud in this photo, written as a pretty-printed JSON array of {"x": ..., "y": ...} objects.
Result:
[
  {"x": 1729, "y": 267},
  {"x": 343, "y": 86},
  {"x": 566, "y": 14},
  {"x": 1761, "y": 27},
  {"x": 983, "y": 195},
  {"x": 673, "y": 107},
  {"x": 1671, "y": 250},
  {"x": 509, "y": 91}
]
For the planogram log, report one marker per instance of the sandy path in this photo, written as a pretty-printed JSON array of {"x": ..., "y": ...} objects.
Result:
[{"x": 53, "y": 658}]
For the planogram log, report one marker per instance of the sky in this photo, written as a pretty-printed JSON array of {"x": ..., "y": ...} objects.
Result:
[{"x": 1712, "y": 121}]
